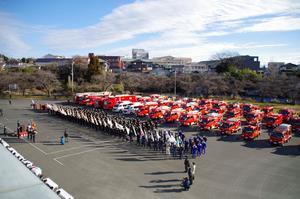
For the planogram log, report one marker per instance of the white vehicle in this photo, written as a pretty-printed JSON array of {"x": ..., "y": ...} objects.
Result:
[
  {"x": 52, "y": 185},
  {"x": 121, "y": 106},
  {"x": 63, "y": 194},
  {"x": 132, "y": 109},
  {"x": 36, "y": 170}
]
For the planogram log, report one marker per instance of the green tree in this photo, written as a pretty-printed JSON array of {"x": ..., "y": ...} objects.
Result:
[{"x": 94, "y": 67}]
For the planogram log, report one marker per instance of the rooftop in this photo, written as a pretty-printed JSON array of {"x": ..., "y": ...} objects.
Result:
[{"x": 17, "y": 181}]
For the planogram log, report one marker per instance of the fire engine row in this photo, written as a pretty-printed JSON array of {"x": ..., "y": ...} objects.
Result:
[{"x": 206, "y": 113}]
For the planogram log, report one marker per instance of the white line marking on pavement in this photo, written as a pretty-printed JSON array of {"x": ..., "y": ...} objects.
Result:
[
  {"x": 45, "y": 153},
  {"x": 69, "y": 149},
  {"x": 58, "y": 162},
  {"x": 73, "y": 154}
]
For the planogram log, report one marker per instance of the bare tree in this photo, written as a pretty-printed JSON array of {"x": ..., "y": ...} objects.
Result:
[
  {"x": 105, "y": 80},
  {"x": 47, "y": 81}
]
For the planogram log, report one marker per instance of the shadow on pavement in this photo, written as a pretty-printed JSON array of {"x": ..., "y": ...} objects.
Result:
[
  {"x": 168, "y": 190},
  {"x": 208, "y": 133},
  {"x": 162, "y": 181},
  {"x": 230, "y": 138},
  {"x": 164, "y": 172},
  {"x": 13, "y": 140},
  {"x": 260, "y": 144},
  {"x": 293, "y": 150},
  {"x": 161, "y": 186}
]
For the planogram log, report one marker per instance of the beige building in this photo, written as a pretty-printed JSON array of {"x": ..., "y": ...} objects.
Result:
[
  {"x": 195, "y": 67},
  {"x": 169, "y": 61}
]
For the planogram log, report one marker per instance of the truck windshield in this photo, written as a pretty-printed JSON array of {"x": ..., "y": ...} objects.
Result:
[
  {"x": 269, "y": 119},
  {"x": 249, "y": 116},
  {"x": 277, "y": 135},
  {"x": 295, "y": 122},
  {"x": 246, "y": 108},
  {"x": 226, "y": 125},
  {"x": 230, "y": 114},
  {"x": 284, "y": 112},
  {"x": 248, "y": 130}
]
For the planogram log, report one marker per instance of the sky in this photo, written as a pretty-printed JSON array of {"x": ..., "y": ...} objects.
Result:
[{"x": 198, "y": 29}]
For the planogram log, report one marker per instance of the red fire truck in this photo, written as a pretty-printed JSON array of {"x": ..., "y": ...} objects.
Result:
[
  {"x": 273, "y": 120},
  {"x": 144, "y": 110},
  {"x": 268, "y": 110},
  {"x": 189, "y": 118},
  {"x": 287, "y": 114},
  {"x": 251, "y": 132},
  {"x": 111, "y": 101},
  {"x": 281, "y": 134},
  {"x": 247, "y": 108},
  {"x": 254, "y": 117},
  {"x": 209, "y": 121},
  {"x": 230, "y": 126},
  {"x": 295, "y": 122},
  {"x": 174, "y": 115},
  {"x": 159, "y": 112},
  {"x": 234, "y": 113}
]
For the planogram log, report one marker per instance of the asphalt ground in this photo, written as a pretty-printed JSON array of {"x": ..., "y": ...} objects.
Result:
[{"x": 94, "y": 165}]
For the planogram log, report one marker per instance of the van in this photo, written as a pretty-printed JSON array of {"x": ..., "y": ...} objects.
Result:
[
  {"x": 132, "y": 109},
  {"x": 63, "y": 194},
  {"x": 121, "y": 106}
]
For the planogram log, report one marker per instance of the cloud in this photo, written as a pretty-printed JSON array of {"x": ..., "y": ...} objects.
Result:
[
  {"x": 190, "y": 18},
  {"x": 11, "y": 40},
  {"x": 283, "y": 23}
]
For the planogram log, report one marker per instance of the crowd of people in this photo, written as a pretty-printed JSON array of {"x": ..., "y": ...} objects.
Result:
[{"x": 145, "y": 132}]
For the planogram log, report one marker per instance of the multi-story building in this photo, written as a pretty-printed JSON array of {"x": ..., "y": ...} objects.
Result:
[
  {"x": 246, "y": 61},
  {"x": 114, "y": 63},
  {"x": 196, "y": 67},
  {"x": 169, "y": 61},
  {"x": 289, "y": 69},
  {"x": 139, "y": 65},
  {"x": 53, "y": 60},
  {"x": 274, "y": 66},
  {"x": 140, "y": 54}
]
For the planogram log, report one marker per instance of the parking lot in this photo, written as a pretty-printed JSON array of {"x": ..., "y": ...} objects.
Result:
[{"x": 94, "y": 165}]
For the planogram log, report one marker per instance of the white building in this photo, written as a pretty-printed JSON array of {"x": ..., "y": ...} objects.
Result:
[
  {"x": 169, "y": 61},
  {"x": 196, "y": 67},
  {"x": 140, "y": 54}
]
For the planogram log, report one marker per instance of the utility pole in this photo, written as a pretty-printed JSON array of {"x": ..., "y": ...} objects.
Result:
[
  {"x": 72, "y": 80},
  {"x": 175, "y": 84}
]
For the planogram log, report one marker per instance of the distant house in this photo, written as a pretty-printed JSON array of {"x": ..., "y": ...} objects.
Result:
[
  {"x": 160, "y": 71},
  {"x": 289, "y": 68},
  {"x": 15, "y": 63},
  {"x": 114, "y": 63},
  {"x": 139, "y": 65},
  {"x": 54, "y": 60}
]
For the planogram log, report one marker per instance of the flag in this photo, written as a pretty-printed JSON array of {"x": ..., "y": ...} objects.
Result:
[
  {"x": 134, "y": 131},
  {"x": 127, "y": 130}
]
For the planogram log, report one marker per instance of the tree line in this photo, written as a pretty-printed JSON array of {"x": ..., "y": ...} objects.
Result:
[{"x": 227, "y": 81}]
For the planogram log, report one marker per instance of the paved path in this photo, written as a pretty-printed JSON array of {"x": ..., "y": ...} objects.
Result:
[{"x": 93, "y": 165}]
